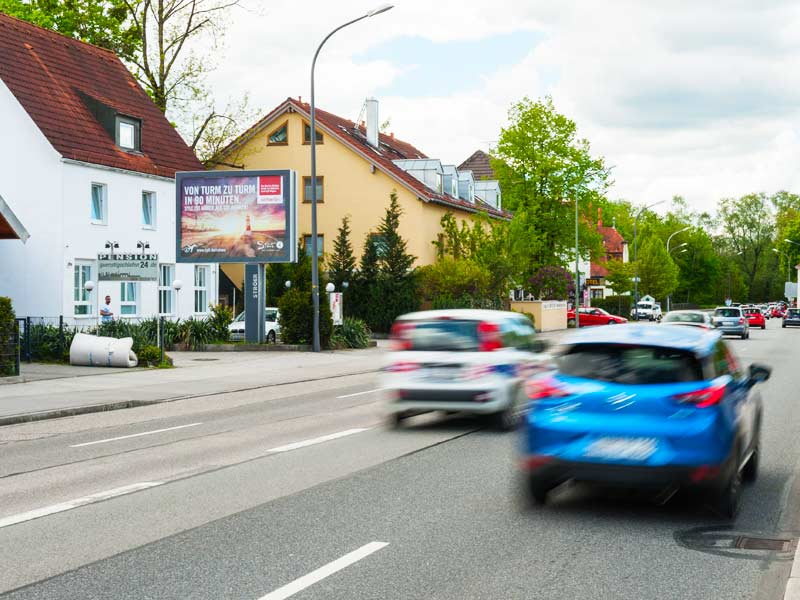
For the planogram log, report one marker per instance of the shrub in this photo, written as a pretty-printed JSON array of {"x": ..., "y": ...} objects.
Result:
[
  {"x": 352, "y": 333},
  {"x": 50, "y": 343},
  {"x": 7, "y": 329},
  {"x": 616, "y": 305},
  {"x": 551, "y": 283},
  {"x": 221, "y": 317},
  {"x": 150, "y": 356},
  {"x": 296, "y": 318},
  {"x": 196, "y": 333}
]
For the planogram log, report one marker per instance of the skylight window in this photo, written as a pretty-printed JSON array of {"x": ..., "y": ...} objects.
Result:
[{"x": 128, "y": 133}]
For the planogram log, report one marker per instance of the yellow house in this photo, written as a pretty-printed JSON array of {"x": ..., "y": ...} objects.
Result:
[{"x": 357, "y": 169}]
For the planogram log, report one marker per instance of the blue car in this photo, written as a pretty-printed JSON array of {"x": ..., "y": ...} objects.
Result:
[{"x": 643, "y": 406}]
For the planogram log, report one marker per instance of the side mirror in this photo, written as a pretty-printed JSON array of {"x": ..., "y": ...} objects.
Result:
[{"x": 759, "y": 373}]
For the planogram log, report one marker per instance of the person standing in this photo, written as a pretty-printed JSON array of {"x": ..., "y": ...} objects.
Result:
[{"x": 106, "y": 316}]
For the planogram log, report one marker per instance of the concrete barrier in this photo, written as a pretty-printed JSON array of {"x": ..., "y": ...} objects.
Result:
[{"x": 548, "y": 315}]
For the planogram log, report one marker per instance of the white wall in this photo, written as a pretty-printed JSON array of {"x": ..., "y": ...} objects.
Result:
[
  {"x": 30, "y": 183},
  {"x": 83, "y": 240}
]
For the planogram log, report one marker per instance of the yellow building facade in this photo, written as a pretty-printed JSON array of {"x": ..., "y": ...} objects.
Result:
[{"x": 354, "y": 180}]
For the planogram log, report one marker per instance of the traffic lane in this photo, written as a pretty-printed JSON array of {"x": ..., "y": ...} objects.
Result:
[
  {"x": 452, "y": 520},
  {"x": 40, "y": 445},
  {"x": 46, "y": 547}
]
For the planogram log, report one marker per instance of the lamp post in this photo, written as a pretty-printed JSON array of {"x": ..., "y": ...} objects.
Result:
[
  {"x": 797, "y": 296},
  {"x": 635, "y": 259},
  {"x": 786, "y": 256},
  {"x": 177, "y": 285},
  {"x": 669, "y": 239},
  {"x": 314, "y": 258}
]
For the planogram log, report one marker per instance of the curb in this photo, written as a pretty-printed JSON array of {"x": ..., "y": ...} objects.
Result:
[
  {"x": 793, "y": 585},
  {"x": 108, "y": 406}
]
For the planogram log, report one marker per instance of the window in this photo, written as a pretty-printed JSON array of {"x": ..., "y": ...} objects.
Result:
[
  {"x": 307, "y": 189},
  {"x": 82, "y": 299},
  {"x": 597, "y": 293},
  {"x": 128, "y": 295},
  {"x": 279, "y": 136},
  {"x": 149, "y": 210},
  {"x": 307, "y": 134},
  {"x": 166, "y": 275},
  {"x": 99, "y": 204},
  {"x": 128, "y": 133},
  {"x": 320, "y": 244},
  {"x": 201, "y": 290}
]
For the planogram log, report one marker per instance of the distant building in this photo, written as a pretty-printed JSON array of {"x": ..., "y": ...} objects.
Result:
[
  {"x": 87, "y": 161},
  {"x": 616, "y": 248},
  {"x": 487, "y": 188}
]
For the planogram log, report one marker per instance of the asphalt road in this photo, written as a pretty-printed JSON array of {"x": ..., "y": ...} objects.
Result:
[{"x": 233, "y": 504}]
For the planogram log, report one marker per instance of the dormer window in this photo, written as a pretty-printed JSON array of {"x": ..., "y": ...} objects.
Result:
[{"x": 128, "y": 133}]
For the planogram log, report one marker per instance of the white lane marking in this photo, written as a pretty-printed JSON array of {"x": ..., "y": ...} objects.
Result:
[
  {"x": 359, "y": 393},
  {"x": 69, "y": 505},
  {"x": 298, "y": 585},
  {"x": 133, "y": 435},
  {"x": 319, "y": 440}
]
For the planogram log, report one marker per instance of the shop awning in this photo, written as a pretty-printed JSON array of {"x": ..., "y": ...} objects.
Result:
[{"x": 10, "y": 227}]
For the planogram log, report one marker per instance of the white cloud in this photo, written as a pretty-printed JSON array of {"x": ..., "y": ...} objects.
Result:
[{"x": 697, "y": 98}]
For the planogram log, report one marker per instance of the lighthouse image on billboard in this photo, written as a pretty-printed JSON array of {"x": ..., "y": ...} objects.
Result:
[{"x": 233, "y": 218}]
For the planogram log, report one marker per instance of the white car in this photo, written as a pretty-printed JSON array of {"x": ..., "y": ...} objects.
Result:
[
  {"x": 646, "y": 310},
  {"x": 271, "y": 327},
  {"x": 470, "y": 361}
]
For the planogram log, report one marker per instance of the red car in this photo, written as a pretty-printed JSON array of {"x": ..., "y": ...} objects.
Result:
[
  {"x": 777, "y": 312},
  {"x": 755, "y": 317},
  {"x": 594, "y": 316}
]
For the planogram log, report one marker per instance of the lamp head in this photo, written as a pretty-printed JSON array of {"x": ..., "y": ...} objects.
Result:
[
  {"x": 177, "y": 285},
  {"x": 380, "y": 9},
  {"x": 330, "y": 288}
]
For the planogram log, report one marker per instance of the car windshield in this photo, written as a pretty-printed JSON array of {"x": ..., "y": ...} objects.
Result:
[
  {"x": 443, "y": 334},
  {"x": 752, "y": 311},
  {"x": 271, "y": 315},
  {"x": 631, "y": 365},
  {"x": 727, "y": 312},
  {"x": 793, "y": 313},
  {"x": 676, "y": 317}
]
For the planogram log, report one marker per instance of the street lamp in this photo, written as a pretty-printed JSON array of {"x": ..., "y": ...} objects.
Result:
[
  {"x": 797, "y": 297},
  {"x": 786, "y": 256},
  {"x": 177, "y": 285},
  {"x": 314, "y": 258},
  {"x": 635, "y": 259},
  {"x": 669, "y": 239}
]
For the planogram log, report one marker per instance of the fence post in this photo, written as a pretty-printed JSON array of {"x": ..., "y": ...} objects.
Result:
[
  {"x": 16, "y": 348},
  {"x": 161, "y": 338},
  {"x": 28, "y": 339}
]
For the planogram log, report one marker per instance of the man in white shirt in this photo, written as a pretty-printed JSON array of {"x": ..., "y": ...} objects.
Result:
[{"x": 106, "y": 316}]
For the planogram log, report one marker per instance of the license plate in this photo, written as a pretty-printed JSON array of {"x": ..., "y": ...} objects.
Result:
[
  {"x": 440, "y": 374},
  {"x": 621, "y": 448}
]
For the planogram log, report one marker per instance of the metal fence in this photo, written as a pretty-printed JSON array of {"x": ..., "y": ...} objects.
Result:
[
  {"x": 9, "y": 352},
  {"x": 44, "y": 338}
]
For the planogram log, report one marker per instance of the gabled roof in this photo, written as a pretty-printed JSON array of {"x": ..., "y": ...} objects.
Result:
[
  {"x": 613, "y": 243},
  {"x": 479, "y": 164},
  {"x": 53, "y": 77},
  {"x": 391, "y": 149},
  {"x": 10, "y": 226}
]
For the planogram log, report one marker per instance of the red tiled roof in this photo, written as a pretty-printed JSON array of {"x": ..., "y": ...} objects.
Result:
[
  {"x": 613, "y": 242},
  {"x": 480, "y": 166},
  {"x": 391, "y": 149},
  {"x": 47, "y": 72}
]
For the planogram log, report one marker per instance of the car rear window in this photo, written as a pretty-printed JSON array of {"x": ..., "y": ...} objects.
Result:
[
  {"x": 683, "y": 318},
  {"x": 442, "y": 334},
  {"x": 793, "y": 313},
  {"x": 752, "y": 311},
  {"x": 727, "y": 312},
  {"x": 632, "y": 365}
]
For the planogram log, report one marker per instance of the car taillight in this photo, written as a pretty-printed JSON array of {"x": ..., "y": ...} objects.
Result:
[
  {"x": 741, "y": 320},
  {"x": 489, "y": 337},
  {"x": 703, "y": 398},
  {"x": 402, "y": 367},
  {"x": 547, "y": 387},
  {"x": 400, "y": 335}
]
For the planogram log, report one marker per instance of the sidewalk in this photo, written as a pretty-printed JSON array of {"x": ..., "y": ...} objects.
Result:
[{"x": 63, "y": 391}]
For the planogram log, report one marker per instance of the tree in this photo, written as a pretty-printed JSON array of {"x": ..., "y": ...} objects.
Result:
[
  {"x": 395, "y": 262},
  {"x": 543, "y": 167},
  {"x": 620, "y": 276},
  {"x": 103, "y": 23},
  {"x": 341, "y": 262},
  {"x": 552, "y": 283},
  {"x": 657, "y": 271}
]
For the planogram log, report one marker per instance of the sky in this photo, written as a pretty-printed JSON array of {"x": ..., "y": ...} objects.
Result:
[{"x": 689, "y": 97}]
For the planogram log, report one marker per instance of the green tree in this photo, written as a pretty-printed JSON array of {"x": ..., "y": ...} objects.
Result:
[
  {"x": 341, "y": 262},
  {"x": 543, "y": 167},
  {"x": 657, "y": 271},
  {"x": 394, "y": 262},
  {"x": 104, "y": 23},
  {"x": 620, "y": 276}
]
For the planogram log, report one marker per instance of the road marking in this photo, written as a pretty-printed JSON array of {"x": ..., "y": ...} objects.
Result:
[
  {"x": 319, "y": 440},
  {"x": 298, "y": 585},
  {"x": 69, "y": 505},
  {"x": 133, "y": 435},
  {"x": 359, "y": 393}
]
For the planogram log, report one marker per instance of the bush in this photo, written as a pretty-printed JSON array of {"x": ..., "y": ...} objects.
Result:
[
  {"x": 352, "y": 333},
  {"x": 50, "y": 343},
  {"x": 616, "y": 305},
  {"x": 221, "y": 317},
  {"x": 196, "y": 333},
  {"x": 296, "y": 318},
  {"x": 7, "y": 329},
  {"x": 150, "y": 356},
  {"x": 551, "y": 283}
]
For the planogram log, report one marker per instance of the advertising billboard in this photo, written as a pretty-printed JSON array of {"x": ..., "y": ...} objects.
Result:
[
  {"x": 127, "y": 267},
  {"x": 236, "y": 216}
]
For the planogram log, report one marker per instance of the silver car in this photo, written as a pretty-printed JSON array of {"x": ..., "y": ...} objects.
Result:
[
  {"x": 461, "y": 361},
  {"x": 731, "y": 320},
  {"x": 691, "y": 318}
]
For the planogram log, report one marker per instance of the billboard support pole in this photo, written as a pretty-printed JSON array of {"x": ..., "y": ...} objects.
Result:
[{"x": 254, "y": 314}]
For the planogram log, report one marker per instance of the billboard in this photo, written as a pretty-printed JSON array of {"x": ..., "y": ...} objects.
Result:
[
  {"x": 236, "y": 216},
  {"x": 127, "y": 267}
]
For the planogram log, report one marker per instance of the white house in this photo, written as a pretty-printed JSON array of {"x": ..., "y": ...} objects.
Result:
[{"x": 87, "y": 164}]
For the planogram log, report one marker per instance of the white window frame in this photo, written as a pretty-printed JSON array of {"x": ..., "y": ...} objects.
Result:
[
  {"x": 85, "y": 298},
  {"x": 165, "y": 289},
  {"x": 152, "y": 198},
  {"x": 201, "y": 289},
  {"x": 125, "y": 302},
  {"x": 103, "y": 220}
]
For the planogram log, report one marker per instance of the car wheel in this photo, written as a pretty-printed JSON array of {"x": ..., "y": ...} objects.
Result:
[
  {"x": 508, "y": 419},
  {"x": 271, "y": 337},
  {"x": 744, "y": 336},
  {"x": 571, "y": 323},
  {"x": 783, "y": 325},
  {"x": 763, "y": 327},
  {"x": 536, "y": 491},
  {"x": 396, "y": 420},
  {"x": 612, "y": 322},
  {"x": 750, "y": 470},
  {"x": 729, "y": 499}
]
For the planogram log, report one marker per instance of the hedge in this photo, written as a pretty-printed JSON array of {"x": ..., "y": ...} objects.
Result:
[{"x": 616, "y": 305}]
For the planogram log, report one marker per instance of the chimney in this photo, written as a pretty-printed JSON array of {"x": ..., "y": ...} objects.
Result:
[{"x": 372, "y": 122}]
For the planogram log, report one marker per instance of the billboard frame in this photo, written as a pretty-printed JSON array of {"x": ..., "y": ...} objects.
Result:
[{"x": 289, "y": 201}]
